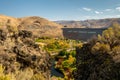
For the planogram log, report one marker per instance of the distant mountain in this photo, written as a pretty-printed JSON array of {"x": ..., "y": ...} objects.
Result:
[
  {"x": 38, "y": 26},
  {"x": 100, "y": 23}
]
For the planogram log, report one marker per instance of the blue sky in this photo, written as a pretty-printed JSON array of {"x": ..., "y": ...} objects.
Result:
[{"x": 61, "y": 9}]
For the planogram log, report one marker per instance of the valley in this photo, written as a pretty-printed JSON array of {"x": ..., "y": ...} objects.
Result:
[{"x": 34, "y": 48}]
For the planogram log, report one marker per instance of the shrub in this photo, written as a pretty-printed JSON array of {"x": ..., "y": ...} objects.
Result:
[
  {"x": 101, "y": 60},
  {"x": 37, "y": 77},
  {"x": 101, "y": 48},
  {"x": 3, "y": 76},
  {"x": 25, "y": 74}
]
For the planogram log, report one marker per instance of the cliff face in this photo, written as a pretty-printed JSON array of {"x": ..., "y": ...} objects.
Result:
[{"x": 18, "y": 51}]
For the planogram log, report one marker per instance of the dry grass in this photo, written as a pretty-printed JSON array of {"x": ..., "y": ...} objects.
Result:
[{"x": 39, "y": 26}]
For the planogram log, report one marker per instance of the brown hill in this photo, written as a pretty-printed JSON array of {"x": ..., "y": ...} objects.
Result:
[
  {"x": 40, "y": 27},
  {"x": 100, "y": 23}
]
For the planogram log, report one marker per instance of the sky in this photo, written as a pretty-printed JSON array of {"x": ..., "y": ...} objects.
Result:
[{"x": 61, "y": 9}]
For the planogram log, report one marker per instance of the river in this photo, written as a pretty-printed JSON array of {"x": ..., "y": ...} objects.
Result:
[{"x": 55, "y": 72}]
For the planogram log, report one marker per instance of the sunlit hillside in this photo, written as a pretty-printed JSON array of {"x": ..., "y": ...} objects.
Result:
[{"x": 39, "y": 26}]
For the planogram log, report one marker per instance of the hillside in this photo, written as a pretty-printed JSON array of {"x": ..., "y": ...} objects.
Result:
[
  {"x": 100, "y": 23},
  {"x": 39, "y": 26},
  {"x": 19, "y": 54},
  {"x": 6, "y": 21}
]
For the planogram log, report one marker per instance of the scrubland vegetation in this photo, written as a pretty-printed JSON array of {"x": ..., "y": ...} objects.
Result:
[
  {"x": 27, "y": 74},
  {"x": 99, "y": 59},
  {"x": 25, "y": 56}
]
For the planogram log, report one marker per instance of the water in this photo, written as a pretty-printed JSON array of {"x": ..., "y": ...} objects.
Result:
[{"x": 55, "y": 72}]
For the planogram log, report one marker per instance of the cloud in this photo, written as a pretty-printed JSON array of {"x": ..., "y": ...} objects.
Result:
[
  {"x": 97, "y": 12},
  {"x": 118, "y": 8},
  {"x": 86, "y": 9},
  {"x": 108, "y": 9},
  {"x": 117, "y": 15}
]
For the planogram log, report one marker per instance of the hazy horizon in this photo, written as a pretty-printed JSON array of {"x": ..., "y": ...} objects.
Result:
[{"x": 62, "y": 9}]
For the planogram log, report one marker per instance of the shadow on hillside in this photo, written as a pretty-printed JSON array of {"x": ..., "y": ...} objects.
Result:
[{"x": 83, "y": 34}]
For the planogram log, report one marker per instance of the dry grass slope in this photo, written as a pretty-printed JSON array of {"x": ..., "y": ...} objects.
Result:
[{"x": 39, "y": 26}]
